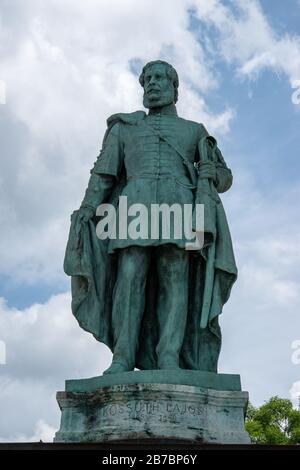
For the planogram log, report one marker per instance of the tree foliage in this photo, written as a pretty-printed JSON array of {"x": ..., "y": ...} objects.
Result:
[{"x": 275, "y": 422}]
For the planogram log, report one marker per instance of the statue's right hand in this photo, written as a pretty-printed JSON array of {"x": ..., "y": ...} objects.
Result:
[{"x": 85, "y": 214}]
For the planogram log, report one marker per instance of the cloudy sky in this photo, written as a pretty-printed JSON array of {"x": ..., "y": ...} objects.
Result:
[{"x": 65, "y": 66}]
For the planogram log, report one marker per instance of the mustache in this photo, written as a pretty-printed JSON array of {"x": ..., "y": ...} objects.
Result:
[{"x": 148, "y": 90}]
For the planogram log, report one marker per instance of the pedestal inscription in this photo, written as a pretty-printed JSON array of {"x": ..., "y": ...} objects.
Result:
[{"x": 153, "y": 411}]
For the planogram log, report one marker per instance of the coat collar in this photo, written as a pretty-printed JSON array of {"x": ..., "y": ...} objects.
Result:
[{"x": 169, "y": 110}]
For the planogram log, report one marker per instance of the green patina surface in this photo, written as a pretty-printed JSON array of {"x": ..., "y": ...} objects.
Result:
[
  {"x": 152, "y": 302},
  {"x": 229, "y": 382},
  {"x": 165, "y": 412}
]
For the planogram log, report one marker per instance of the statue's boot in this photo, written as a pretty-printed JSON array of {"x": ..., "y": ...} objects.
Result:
[
  {"x": 115, "y": 368},
  {"x": 172, "y": 365}
]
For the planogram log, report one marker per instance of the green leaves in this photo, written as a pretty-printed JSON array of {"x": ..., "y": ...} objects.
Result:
[{"x": 275, "y": 422}]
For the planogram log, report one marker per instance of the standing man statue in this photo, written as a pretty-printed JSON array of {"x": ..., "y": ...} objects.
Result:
[{"x": 154, "y": 303}]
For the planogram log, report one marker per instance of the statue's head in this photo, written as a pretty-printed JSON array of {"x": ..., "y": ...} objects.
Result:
[{"x": 160, "y": 82}]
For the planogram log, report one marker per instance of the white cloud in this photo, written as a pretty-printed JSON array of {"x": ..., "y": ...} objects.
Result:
[
  {"x": 22, "y": 403},
  {"x": 245, "y": 38},
  {"x": 45, "y": 346},
  {"x": 39, "y": 335}
]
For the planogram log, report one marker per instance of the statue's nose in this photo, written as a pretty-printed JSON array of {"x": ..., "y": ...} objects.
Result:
[{"x": 152, "y": 80}]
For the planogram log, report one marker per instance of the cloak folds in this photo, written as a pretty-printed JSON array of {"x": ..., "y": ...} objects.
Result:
[{"x": 93, "y": 275}]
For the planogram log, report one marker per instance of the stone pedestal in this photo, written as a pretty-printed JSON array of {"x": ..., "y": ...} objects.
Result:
[{"x": 184, "y": 406}]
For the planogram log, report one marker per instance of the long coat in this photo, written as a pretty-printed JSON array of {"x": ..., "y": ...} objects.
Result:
[{"x": 93, "y": 271}]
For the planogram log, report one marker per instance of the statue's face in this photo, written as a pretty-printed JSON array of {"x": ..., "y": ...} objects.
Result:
[{"x": 158, "y": 88}]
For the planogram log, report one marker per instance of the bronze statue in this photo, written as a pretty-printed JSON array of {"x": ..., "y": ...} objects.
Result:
[{"x": 152, "y": 301}]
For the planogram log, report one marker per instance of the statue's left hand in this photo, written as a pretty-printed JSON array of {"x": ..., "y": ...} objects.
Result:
[
  {"x": 207, "y": 170},
  {"x": 85, "y": 213}
]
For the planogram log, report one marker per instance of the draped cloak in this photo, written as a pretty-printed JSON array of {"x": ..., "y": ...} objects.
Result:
[{"x": 93, "y": 272}]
